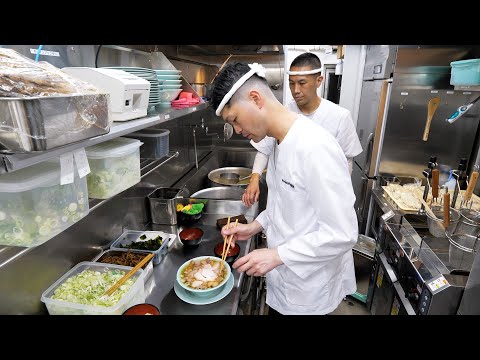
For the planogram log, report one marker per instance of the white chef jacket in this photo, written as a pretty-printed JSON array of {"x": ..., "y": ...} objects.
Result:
[{"x": 310, "y": 219}]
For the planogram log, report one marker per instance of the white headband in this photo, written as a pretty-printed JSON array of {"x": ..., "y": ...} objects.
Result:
[
  {"x": 255, "y": 68},
  {"x": 306, "y": 72}
]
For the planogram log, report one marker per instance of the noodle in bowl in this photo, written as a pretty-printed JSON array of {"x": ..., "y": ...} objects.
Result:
[{"x": 201, "y": 276}]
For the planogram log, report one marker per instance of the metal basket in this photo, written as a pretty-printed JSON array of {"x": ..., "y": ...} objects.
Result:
[
  {"x": 469, "y": 222},
  {"x": 463, "y": 248},
  {"x": 435, "y": 226}
]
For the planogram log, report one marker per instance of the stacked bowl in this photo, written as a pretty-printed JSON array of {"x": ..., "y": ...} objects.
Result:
[{"x": 169, "y": 85}]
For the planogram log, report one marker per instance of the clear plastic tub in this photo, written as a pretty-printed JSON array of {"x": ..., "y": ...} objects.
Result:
[
  {"x": 114, "y": 165},
  {"x": 131, "y": 236},
  {"x": 34, "y": 207},
  {"x": 155, "y": 142},
  {"x": 135, "y": 295},
  {"x": 148, "y": 267},
  {"x": 465, "y": 72}
]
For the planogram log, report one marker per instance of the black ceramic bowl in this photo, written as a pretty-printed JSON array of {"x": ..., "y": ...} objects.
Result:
[
  {"x": 232, "y": 254},
  {"x": 187, "y": 219},
  {"x": 191, "y": 236}
]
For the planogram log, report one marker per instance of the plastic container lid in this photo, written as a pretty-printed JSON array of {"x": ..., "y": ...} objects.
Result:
[
  {"x": 35, "y": 176},
  {"x": 113, "y": 148},
  {"x": 152, "y": 132}
]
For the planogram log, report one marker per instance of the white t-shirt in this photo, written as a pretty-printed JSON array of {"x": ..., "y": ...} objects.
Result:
[{"x": 338, "y": 122}]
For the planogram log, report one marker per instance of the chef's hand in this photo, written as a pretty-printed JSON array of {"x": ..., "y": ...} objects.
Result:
[
  {"x": 252, "y": 192},
  {"x": 258, "y": 262},
  {"x": 242, "y": 231}
]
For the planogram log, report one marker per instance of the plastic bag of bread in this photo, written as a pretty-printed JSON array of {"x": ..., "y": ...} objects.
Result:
[{"x": 24, "y": 77}]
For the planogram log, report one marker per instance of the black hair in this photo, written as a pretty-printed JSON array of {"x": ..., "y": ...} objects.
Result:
[
  {"x": 225, "y": 80},
  {"x": 307, "y": 59}
]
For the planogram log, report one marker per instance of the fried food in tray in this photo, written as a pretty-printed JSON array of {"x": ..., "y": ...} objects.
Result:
[{"x": 126, "y": 258}]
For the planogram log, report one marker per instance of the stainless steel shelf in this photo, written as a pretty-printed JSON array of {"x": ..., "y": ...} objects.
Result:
[
  {"x": 12, "y": 162},
  {"x": 467, "y": 87}
]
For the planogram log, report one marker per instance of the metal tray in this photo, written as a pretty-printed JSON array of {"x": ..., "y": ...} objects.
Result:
[
  {"x": 148, "y": 268},
  {"x": 131, "y": 236},
  {"x": 42, "y": 123}
]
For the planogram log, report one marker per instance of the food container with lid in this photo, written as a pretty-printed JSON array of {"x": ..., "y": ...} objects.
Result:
[
  {"x": 85, "y": 284},
  {"x": 114, "y": 165},
  {"x": 465, "y": 72},
  {"x": 155, "y": 142},
  {"x": 34, "y": 207}
]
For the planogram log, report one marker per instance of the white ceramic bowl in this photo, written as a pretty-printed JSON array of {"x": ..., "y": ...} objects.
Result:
[
  {"x": 169, "y": 95},
  {"x": 204, "y": 292}
]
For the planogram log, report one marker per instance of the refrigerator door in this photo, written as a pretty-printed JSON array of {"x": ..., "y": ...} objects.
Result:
[
  {"x": 380, "y": 61},
  {"x": 367, "y": 118}
]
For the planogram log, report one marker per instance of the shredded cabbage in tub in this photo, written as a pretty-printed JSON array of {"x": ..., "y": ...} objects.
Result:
[{"x": 88, "y": 287}]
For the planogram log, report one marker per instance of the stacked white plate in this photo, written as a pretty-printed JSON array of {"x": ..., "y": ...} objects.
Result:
[{"x": 147, "y": 74}]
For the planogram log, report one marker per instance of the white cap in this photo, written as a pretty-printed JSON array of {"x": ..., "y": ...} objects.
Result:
[{"x": 255, "y": 68}]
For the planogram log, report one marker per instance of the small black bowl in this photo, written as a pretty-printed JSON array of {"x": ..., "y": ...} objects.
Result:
[
  {"x": 232, "y": 253},
  {"x": 191, "y": 236},
  {"x": 187, "y": 219}
]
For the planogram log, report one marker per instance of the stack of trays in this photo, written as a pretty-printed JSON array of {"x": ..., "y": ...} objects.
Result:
[
  {"x": 170, "y": 85},
  {"x": 147, "y": 74}
]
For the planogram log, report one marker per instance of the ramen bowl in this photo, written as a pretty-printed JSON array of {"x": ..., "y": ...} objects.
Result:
[{"x": 199, "y": 269}]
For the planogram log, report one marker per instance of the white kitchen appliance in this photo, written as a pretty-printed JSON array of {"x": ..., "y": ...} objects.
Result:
[{"x": 128, "y": 93}]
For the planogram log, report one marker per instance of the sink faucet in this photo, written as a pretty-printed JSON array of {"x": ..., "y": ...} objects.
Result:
[
  {"x": 206, "y": 130},
  {"x": 194, "y": 127}
]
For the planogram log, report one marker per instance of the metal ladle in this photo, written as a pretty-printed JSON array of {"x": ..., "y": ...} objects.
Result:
[{"x": 227, "y": 131}]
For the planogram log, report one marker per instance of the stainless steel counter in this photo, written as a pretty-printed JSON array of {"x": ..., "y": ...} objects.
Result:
[{"x": 159, "y": 287}]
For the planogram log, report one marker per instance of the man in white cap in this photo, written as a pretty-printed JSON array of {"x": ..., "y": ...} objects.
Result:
[
  {"x": 310, "y": 221},
  {"x": 304, "y": 79}
]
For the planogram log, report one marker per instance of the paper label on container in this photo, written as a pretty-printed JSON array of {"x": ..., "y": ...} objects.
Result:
[
  {"x": 82, "y": 162},
  {"x": 66, "y": 169},
  {"x": 434, "y": 91},
  {"x": 437, "y": 283},
  {"x": 379, "y": 277},
  {"x": 167, "y": 116},
  {"x": 388, "y": 215},
  {"x": 395, "y": 307},
  {"x": 404, "y": 93},
  {"x": 45, "y": 52}
]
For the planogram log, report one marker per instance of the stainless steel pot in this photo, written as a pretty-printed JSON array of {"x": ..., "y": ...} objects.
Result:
[
  {"x": 220, "y": 193},
  {"x": 228, "y": 176},
  {"x": 199, "y": 89}
]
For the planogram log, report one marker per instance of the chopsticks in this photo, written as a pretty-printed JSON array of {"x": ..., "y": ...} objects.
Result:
[
  {"x": 225, "y": 250},
  {"x": 128, "y": 275},
  {"x": 225, "y": 237}
]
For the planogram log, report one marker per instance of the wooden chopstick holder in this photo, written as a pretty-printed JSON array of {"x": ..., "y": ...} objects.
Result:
[{"x": 128, "y": 275}]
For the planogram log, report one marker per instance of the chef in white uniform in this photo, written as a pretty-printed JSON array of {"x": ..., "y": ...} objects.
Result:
[
  {"x": 304, "y": 80},
  {"x": 310, "y": 220}
]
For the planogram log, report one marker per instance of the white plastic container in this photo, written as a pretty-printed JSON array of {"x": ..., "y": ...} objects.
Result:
[
  {"x": 34, "y": 207},
  {"x": 114, "y": 165},
  {"x": 135, "y": 295}
]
